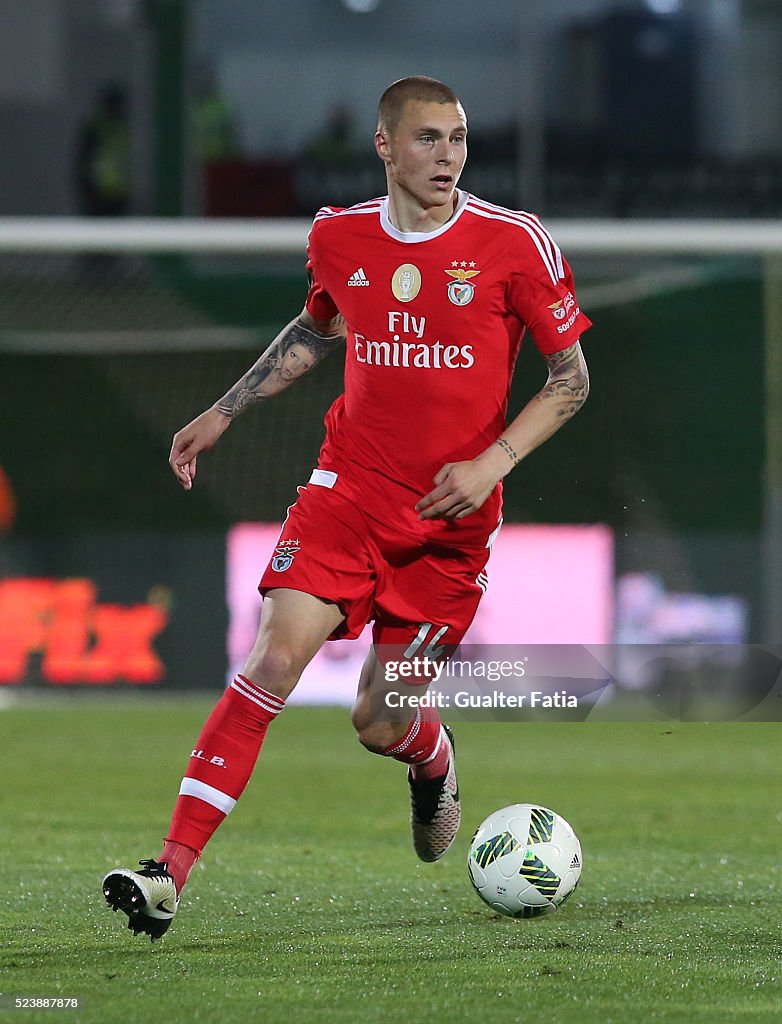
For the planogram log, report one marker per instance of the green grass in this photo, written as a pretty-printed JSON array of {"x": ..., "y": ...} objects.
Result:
[{"x": 310, "y": 906}]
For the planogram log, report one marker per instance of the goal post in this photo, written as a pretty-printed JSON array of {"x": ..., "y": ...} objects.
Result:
[
  {"x": 280, "y": 235},
  {"x": 772, "y": 280}
]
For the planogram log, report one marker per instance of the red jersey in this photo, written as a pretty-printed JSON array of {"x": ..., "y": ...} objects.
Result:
[{"x": 435, "y": 321}]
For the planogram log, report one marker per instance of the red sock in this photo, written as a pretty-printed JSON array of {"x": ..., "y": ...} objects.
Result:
[
  {"x": 424, "y": 746},
  {"x": 179, "y": 860},
  {"x": 220, "y": 767}
]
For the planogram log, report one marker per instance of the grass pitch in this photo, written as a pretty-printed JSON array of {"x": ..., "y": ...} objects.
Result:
[{"x": 309, "y": 904}]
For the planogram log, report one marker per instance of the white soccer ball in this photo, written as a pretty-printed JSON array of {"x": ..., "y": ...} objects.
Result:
[{"x": 524, "y": 860}]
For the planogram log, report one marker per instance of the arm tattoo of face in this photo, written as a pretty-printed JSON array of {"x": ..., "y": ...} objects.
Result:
[
  {"x": 295, "y": 350},
  {"x": 568, "y": 381}
]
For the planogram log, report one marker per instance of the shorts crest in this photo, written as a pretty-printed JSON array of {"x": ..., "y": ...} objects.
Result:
[{"x": 284, "y": 554}]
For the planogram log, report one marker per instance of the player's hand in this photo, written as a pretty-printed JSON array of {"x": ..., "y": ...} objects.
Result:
[
  {"x": 461, "y": 488},
  {"x": 198, "y": 436}
]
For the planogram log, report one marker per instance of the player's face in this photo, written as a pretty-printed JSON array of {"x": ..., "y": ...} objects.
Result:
[
  {"x": 296, "y": 361},
  {"x": 425, "y": 155}
]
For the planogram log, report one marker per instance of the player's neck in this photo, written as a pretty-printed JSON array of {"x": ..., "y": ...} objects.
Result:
[{"x": 407, "y": 214}]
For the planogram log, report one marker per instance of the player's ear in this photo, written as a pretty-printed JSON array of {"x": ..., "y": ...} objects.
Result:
[{"x": 382, "y": 145}]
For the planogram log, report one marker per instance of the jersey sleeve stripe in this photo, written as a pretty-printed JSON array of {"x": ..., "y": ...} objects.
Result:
[
  {"x": 523, "y": 215},
  {"x": 534, "y": 228},
  {"x": 329, "y": 211},
  {"x": 552, "y": 264}
]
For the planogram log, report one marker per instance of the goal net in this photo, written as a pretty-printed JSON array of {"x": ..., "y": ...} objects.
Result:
[{"x": 114, "y": 334}]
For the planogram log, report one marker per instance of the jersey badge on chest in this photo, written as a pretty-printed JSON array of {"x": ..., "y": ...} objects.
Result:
[
  {"x": 406, "y": 282},
  {"x": 461, "y": 290}
]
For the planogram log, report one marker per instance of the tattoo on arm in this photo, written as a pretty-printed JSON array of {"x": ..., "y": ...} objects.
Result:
[
  {"x": 507, "y": 447},
  {"x": 568, "y": 381},
  {"x": 295, "y": 350}
]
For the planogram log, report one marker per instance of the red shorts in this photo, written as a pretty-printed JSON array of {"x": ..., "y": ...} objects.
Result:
[{"x": 333, "y": 550}]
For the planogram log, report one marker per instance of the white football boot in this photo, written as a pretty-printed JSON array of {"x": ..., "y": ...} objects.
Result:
[
  {"x": 436, "y": 811},
  {"x": 148, "y": 897}
]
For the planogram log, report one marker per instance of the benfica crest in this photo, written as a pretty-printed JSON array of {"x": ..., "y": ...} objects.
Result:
[
  {"x": 284, "y": 553},
  {"x": 561, "y": 309},
  {"x": 461, "y": 291}
]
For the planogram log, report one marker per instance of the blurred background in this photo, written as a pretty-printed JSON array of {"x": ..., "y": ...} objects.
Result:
[
  {"x": 609, "y": 108},
  {"x": 610, "y": 118}
]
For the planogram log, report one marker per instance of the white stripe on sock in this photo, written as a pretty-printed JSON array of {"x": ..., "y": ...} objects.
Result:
[
  {"x": 210, "y": 795},
  {"x": 406, "y": 740},
  {"x": 259, "y": 691},
  {"x": 268, "y": 701},
  {"x": 436, "y": 749}
]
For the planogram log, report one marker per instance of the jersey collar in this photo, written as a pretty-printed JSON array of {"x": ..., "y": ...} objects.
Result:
[{"x": 421, "y": 236}]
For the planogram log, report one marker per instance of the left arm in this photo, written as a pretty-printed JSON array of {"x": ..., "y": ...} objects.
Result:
[{"x": 462, "y": 487}]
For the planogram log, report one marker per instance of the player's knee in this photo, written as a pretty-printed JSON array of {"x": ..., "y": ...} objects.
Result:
[
  {"x": 376, "y": 737},
  {"x": 370, "y": 734},
  {"x": 276, "y": 668},
  {"x": 360, "y": 716}
]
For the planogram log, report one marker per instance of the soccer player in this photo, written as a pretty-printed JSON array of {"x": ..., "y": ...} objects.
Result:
[{"x": 432, "y": 290}]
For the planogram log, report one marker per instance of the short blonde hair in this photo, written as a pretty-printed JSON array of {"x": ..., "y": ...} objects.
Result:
[{"x": 399, "y": 94}]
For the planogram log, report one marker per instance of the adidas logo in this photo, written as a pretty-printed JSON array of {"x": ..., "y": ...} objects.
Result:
[
  {"x": 575, "y": 863},
  {"x": 359, "y": 279}
]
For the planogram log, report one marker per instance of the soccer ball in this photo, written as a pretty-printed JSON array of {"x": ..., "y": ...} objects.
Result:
[{"x": 524, "y": 860}]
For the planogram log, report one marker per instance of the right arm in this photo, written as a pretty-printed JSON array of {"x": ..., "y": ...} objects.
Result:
[{"x": 297, "y": 348}]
